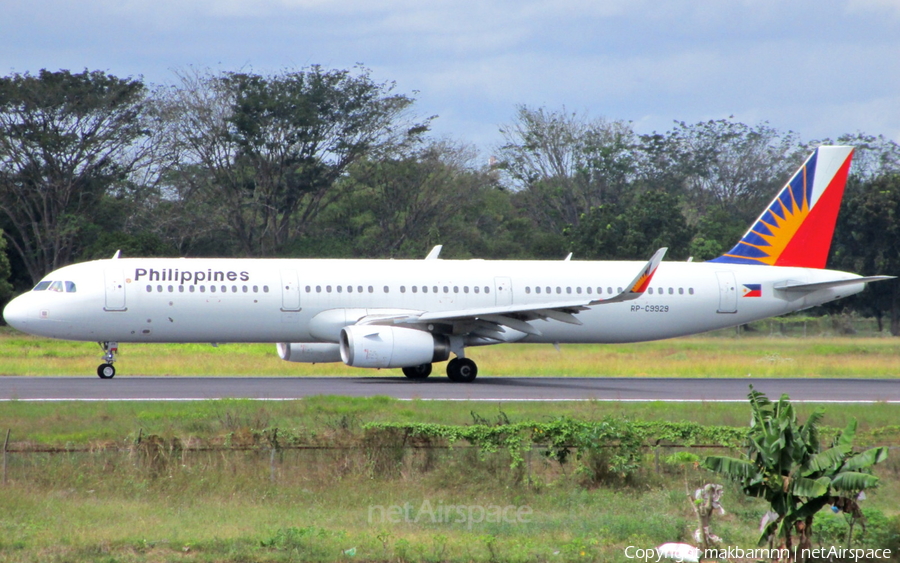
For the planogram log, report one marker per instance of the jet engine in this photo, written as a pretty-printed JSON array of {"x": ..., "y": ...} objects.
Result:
[
  {"x": 309, "y": 352},
  {"x": 372, "y": 346}
]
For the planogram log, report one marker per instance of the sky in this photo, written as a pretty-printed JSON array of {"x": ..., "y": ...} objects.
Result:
[{"x": 820, "y": 68}]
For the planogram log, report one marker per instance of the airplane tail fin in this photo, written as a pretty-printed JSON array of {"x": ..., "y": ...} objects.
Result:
[{"x": 797, "y": 227}]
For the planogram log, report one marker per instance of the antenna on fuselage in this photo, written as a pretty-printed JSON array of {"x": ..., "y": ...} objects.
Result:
[
  {"x": 435, "y": 252},
  {"x": 116, "y": 255}
]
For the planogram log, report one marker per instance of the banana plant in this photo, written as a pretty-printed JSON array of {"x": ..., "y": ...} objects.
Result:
[{"x": 786, "y": 465}]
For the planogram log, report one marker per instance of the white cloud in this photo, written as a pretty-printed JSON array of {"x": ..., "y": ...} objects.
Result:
[{"x": 809, "y": 66}]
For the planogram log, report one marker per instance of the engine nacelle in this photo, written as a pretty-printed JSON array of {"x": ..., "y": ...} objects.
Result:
[
  {"x": 309, "y": 352},
  {"x": 372, "y": 346}
]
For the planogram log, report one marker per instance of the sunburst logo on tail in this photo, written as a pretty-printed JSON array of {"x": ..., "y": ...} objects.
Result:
[{"x": 796, "y": 228}]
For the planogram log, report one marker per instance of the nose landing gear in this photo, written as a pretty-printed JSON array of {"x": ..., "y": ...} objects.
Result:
[{"x": 106, "y": 369}]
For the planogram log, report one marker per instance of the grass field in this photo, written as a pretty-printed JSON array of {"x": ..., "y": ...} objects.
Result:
[
  {"x": 764, "y": 354},
  {"x": 104, "y": 499},
  {"x": 130, "y": 504}
]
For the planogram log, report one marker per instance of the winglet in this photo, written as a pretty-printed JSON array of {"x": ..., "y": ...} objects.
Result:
[
  {"x": 435, "y": 252},
  {"x": 639, "y": 284}
]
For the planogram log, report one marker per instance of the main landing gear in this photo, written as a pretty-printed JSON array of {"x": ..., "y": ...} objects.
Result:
[
  {"x": 462, "y": 370},
  {"x": 106, "y": 369},
  {"x": 418, "y": 372},
  {"x": 459, "y": 370}
]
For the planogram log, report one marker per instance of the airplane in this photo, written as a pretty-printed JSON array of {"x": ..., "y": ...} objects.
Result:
[{"x": 410, "y": 314}]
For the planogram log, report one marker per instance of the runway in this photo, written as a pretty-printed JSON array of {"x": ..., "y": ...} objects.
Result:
[{"x": 143, "y": 388}]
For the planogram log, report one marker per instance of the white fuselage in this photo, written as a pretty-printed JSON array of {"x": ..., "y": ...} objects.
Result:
[{"x": 294, "y": 300}]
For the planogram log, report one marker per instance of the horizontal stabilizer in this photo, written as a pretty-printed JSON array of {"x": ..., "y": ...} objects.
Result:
[{"x": 810, "y": 287}]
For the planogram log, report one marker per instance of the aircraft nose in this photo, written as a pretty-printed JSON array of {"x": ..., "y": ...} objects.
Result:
[{"x": 16, "y": 313}]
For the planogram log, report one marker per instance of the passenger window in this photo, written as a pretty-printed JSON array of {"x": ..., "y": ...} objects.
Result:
[
  {"x": 455, "y": 289},
  {"x": 477, "y": 289},
  {"x": 359, "y": 289},
  {"x": 558, "y": 290},
  {"x": 434, "y": 289},
  {"x": 387, "y": 289},
  {"x": 180, "y": 289},
  {"x": 691, "y": 290},
  {"x": 234, "y": 289},
  {"x": 608, "y": 290},
  {"x": 527, "y": 290},
  {"x": 265, "y": 289},
  {"x": 202, "y": 289},
  {"x": 578, "y": 290},
  {"x": 446, "y": 289},
  {"x": 339, "y": 289},
  {"x": 256, "y": 289},
  {"x": 307, "y": 289},
  {"x": 671, "y": 291},
  {"x": 149, "y": 288},
  {"x": 171, "y": 289},
  {"x": 487, "y": 289},
  {"x": 191, "y": 289},
  {"x": 589, "y": 290},
  {"x": 465, "y": 289},
  {"x": 402, "y": 289},
  {"x": 327, "y": 289},
  {"x": 371, "y": 289},
  {"x": 568, "y": 290},
  {"x": 318, "y": 289},
  {"x": 620, "y": 290},
  {"x": 650, "y": 290},
  {"x": 424, "y": 289},
  {"x": 41, "y": 286},
  {"x": 70, "y": 287},
  {"x": 212, "y": 289},
  {"x": 680, "y": 291},
  {"x": 245, "y": 289},
  {"x": 158, "y": 288},
  {"x": 415, "y": 289}
]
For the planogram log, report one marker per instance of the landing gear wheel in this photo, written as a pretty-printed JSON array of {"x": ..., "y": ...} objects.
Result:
[
  {"x": 462, "y": 370},
  {"x": 106, "y": 369},
  {"x": 417, "y": 372}
]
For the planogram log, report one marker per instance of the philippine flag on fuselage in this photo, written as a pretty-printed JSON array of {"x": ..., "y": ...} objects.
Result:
[{"x": 752, "y": 290}]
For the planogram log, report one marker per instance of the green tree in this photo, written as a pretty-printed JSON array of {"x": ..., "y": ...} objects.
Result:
[
  {"x": 272, "y": 148},
  {"x": 403, "y": 206},
  {"x": 786, "y": 465},
  {"x": 866, "y": 242},
  {"x": 633, "y": 231},
  {"x": 868, "y": 227},
  {"x": 564, "y": 164},
  {"x": 6, "y": 288},
  {"x": 722, "y": 164},
  {"x": 67, "y": 141}
]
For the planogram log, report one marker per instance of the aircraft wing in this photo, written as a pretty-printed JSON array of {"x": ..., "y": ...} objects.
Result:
[{"x": 517, "y": 317}]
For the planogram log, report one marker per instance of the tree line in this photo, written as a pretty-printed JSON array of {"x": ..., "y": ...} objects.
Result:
[{"x": 320, "y": 162}]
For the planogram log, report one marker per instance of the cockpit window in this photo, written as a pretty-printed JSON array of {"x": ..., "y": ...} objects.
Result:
[{"x": 59, "y": 286}]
